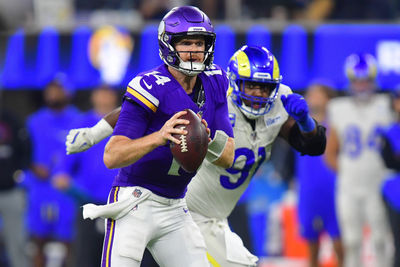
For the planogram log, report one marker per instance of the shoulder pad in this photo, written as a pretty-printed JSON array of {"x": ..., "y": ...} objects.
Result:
[
  {"x": 284, "y": 90},
  {"x": 144, "y": 88}
]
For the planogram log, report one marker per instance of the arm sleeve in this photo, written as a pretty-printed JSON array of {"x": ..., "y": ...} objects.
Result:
[
  {"x": 132, "y": 121},
  {"x": 313, "y": 146}
]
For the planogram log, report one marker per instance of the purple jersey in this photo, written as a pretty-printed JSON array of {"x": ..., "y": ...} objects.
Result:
[{"x": 158, "y": 97}]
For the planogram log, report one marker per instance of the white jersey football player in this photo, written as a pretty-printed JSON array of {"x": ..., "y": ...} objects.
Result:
[
  {"x": 260, "y": 110},
  {"x": 353, "y": 151}
]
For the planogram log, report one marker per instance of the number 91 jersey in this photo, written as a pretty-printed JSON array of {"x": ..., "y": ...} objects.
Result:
[
  {"x": 214, "y": 191},
  {"x": 358, "y": 125}
]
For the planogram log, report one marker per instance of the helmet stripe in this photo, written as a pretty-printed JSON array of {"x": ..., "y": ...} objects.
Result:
[
  {"x": 243, "y": 64},
  {"x": 275, "y": 73}
]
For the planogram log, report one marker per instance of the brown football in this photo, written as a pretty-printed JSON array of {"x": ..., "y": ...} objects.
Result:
[{"x": 191, "y": 151}]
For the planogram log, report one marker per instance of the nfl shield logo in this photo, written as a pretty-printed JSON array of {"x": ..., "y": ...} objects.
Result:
[{"x": 137, "y": 192}]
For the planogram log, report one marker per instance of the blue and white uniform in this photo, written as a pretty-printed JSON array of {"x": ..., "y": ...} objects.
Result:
[
  {"x": 214, "y": 191},
  {"x": 360, "y": 168}
]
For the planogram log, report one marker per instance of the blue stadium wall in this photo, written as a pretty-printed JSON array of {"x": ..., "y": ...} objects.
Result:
[{"x": 28, "y": 61}]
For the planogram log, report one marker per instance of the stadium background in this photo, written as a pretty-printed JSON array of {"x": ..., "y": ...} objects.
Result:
[{"x": 58, "y": 36}]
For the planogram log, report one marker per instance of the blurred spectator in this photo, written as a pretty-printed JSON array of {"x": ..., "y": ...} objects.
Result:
[
  {"x": 316, "y": 185},
  {"x": 391, "y": 185},
  {"x": 51, "y": 214},
  {"x": 318, "y": 10},
  {"x": 89, "y": 5},
  {"x": 353, "y": 151},
  {"x": 153, "y": 9},
  {"x": 275, "y": 9},
  {"x": 215, "y": 9},
  {"x": 15, "y": 14},
  {"x": 84, "y": 177},
  {"x": 364, "y": 10},
  {"x": 14, "y": 157}
]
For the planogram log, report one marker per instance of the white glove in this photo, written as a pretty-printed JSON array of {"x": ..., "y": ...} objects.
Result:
[
  {"x": 79, "y": 140},
  {"x": 82, "y": 139}
]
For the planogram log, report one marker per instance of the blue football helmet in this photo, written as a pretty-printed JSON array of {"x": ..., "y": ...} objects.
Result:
[
  {"x": 360, "y": 67},
  {"x": 361, "y": 70},
  {"x": 253, "y": 64}
]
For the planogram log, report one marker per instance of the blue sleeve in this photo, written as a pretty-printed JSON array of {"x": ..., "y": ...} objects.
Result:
[
  {"x": 222, "y": 122},
  {"x": 132, "y": 121}
]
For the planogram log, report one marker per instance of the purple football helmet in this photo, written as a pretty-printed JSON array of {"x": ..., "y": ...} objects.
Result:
[
  {"x": 360, "y": 66},
  {"x": 181, "y": 22}
]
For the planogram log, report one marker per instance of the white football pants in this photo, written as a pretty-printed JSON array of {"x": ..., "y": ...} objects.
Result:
[
  {"x": 224, "y": 247},
  {"x": 162, "y": 225},
  {"x": 355, "y": 211}
]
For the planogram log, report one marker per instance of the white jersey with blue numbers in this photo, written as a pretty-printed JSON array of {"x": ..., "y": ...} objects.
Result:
[
  {"x": 357, "y": 124},
  {"x": 214, "y": 191}
]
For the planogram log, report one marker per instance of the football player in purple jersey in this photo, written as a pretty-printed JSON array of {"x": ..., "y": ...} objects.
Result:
[{"x": 146, "y": 203}]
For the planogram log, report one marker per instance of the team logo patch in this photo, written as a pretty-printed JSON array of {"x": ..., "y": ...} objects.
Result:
[
  {"x": 137, "y": 192},
  {"x": 271, "y": 121}
]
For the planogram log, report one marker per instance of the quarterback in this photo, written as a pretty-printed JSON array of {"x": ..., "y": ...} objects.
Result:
[
  {"x": 146, "y": 207},
  {"x": 261, "y": 108}
]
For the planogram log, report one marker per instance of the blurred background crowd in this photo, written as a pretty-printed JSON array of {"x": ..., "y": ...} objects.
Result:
[
  {"x": 133, "y": 14},
  {"x": 66, "y": 63}
]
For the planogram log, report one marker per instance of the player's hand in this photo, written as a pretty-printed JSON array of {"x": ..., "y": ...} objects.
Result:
[
  {"x": 79, "y": 140},
  {"x": 169, "y": 129},
  {"x": 296, "y": 106}
]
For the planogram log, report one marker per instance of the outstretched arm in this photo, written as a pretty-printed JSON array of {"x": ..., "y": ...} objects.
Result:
[
  {"x": 301, "y": 131},
  {"x": 82, "y": 139}
]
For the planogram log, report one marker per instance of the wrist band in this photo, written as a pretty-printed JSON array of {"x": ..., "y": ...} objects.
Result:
[
  {"x": 217, "y": 146},
  {"x": 100, "y": 131},
  {"x": 308, "y": 125}
]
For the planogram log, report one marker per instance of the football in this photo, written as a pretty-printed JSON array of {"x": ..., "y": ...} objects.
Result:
[{"x": 191, "y": 151}]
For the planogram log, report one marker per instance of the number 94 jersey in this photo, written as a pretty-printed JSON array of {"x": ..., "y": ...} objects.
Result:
[
  {"x": 357, "y": 125},
  {"x": 214, "y": 191}
]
